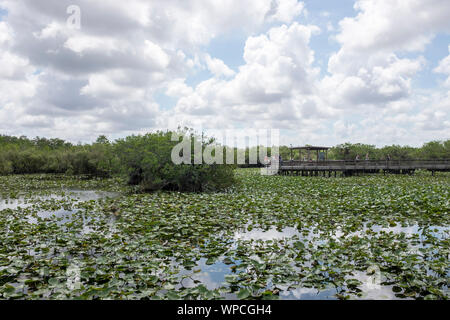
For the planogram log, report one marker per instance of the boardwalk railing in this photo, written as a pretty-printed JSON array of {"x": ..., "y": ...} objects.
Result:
[{"x": 343, "y": 165}]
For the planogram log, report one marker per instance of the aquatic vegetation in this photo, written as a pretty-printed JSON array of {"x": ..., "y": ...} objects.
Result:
[{"x": 267, "y": 237}]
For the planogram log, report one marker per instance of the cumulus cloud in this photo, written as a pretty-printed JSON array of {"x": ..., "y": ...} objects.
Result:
[
  {"x": 276, "y": 83},
  {"x": 368, "y": 77},
  {"x": 122, "y": 54},
  {"x": 393, "y": 25},
  {"x": 380, "y": 79},
  {"x": 367, "y": 68},
  {"x": 218, "y": 67},
  {"x": 284, "y": 10},
  {"x": 104, "y": 77},
  {"x": 444, "y": 68},
  {"x": 177, "y": 88}
]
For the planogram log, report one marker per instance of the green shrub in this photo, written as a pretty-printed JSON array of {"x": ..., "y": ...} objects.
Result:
[
  {"x": 5, "y": 166},
  {"x": 146, "y": 160}
]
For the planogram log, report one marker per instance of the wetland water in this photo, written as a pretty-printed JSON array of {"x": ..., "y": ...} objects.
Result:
[
  {"x": 68, "y": 199},
  {"x": 229, "y": 245},
  {"x": 72, "y": 195}
]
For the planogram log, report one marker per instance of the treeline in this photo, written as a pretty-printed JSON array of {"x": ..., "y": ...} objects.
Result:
[
  {"x": 348, "y": 151},
  {"x": 41, "y": 155},
  {"x": 429, "y": 151},
  {"x": 146, "y": 159}
]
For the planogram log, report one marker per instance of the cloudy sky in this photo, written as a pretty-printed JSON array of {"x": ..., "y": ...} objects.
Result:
[{"x": 325, "y": 72}]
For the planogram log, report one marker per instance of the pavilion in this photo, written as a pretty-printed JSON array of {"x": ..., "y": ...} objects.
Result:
[{"x": 321, "y": 152}]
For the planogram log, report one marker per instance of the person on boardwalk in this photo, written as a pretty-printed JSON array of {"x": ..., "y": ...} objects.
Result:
[
  {"x": 367, "y": 156},
  {"x": 357, "y": 157}
]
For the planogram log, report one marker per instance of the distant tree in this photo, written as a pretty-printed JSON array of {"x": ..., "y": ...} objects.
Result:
[
  {"x": 348, "y": 151},
  {"x": 436, "y": 150},
  {"x": 102, "y": 140}
]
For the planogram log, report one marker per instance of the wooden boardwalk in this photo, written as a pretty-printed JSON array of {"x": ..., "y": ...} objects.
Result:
[{"x": 296, "y": 167}]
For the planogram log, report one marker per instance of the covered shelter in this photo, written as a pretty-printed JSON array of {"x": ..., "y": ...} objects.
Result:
[{"x": 321, "y": 153}]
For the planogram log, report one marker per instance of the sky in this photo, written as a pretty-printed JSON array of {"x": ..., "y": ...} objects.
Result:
[{"x": 322, "y": 72}]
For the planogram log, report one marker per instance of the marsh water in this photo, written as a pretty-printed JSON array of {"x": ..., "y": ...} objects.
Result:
[
  {"x": 74, "y": 195},
  {"x": 213, "y": 275}
]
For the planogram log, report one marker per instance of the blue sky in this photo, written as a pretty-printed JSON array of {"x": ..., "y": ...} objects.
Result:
[
  {"x": 3, "y": 14},
  {"x": 380, "y": 72}
]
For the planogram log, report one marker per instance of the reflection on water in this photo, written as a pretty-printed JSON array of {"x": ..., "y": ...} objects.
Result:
[
  {"x": 289, "y": 232},
  {"x": 435, "y": 231},
  {"x": 62, "y": 215},
  {"x": 213, "y": 276},
  {"x": 371, "y": 289},
  {"x": 271, "y": 234},
  {"x": 308, "y": 294},
  {"x": 77, "y": 195}
]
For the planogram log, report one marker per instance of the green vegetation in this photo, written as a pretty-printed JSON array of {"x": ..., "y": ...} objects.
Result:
[
  {"x": 105, "y": 159},
  {"x": 24, "y": 156},
  {"x": 267, "y": 237},
  {"x": 429, "y": 151},
  {"x": 76, "y": 224},
  {"x": 348, "y": 151},
  {"x": 144, "y": 160}
]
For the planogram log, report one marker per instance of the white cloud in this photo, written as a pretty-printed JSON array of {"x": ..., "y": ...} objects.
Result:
[
  {"x": 177, "y": 88},
  {"x": 5, "y": 34},
  {"x": 82, "y": 43},
  {"x": 381, "y": 79},
  {"x": 367, "y": 69},
  {"x": 275, "y": 85},
  {"x": 123, "y": 53},
  {"x": 155, "y": 53},
  {"x": 12, "y": 66},
  {"x": 367, "y": 76},
  {"x": 343, "y": 129},
  {"x": 218, "y": 67},
  {"x": 52, "y": 30},
  {"x": 285, "y": 10},
  {"x": 107, "y": 86},
  {"x": 394, "y": 24},
  {"x": 444, "y": 68},
  {"x": 103, "y": 78}
]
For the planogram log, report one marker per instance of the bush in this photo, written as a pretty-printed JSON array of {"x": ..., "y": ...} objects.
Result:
[
  {"x": 5, "y": 166},
  {"x": 146, "y": 160}
]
